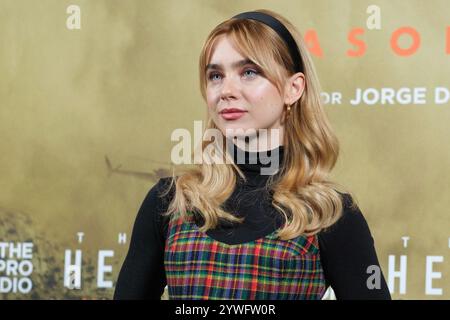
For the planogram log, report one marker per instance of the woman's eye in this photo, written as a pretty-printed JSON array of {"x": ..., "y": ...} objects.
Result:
[
  {"x": 212, "y": 75},
  {"x": 251, "y": 71}
]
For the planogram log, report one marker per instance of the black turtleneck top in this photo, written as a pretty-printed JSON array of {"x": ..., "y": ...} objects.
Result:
[{"x": 346, "y": 248}]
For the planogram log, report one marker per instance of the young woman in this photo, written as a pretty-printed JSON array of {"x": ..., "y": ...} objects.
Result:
[{"x": 230, "y": 230}]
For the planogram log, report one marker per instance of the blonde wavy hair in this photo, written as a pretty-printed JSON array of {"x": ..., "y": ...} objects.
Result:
[{"x": 302, "y": 191}]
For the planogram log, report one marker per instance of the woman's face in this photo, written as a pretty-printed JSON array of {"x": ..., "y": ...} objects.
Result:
[{"x": 233, "y": 82}]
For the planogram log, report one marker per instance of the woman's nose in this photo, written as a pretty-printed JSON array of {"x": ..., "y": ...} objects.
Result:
[{"x": 229, "y": 87}]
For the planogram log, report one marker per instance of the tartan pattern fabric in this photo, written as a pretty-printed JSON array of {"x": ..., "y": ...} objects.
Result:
[{"x": 200, "y": 267}]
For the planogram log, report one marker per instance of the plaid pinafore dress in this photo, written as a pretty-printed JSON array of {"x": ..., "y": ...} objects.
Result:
[{"x": 200, "y": 267}]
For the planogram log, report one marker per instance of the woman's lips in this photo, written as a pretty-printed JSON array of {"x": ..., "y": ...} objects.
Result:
[{"x": 233, "y": 115}]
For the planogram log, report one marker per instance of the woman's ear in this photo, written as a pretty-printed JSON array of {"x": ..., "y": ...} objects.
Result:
[{"x": 295, "y": 85}]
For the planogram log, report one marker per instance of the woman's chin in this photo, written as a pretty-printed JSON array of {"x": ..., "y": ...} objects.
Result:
[{"x": 237, "y": 130}]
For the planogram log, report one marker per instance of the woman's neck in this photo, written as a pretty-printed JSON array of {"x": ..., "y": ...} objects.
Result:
[
  {"x": 257, "y": 143},
  {"x": 258, "y": 165}
]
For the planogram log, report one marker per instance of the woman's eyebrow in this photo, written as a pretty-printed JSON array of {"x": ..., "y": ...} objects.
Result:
[{"x": 234, "y": 65}]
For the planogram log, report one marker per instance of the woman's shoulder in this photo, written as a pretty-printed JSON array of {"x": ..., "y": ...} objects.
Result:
[
  {"x": 351, "y": 225},
  {"x": 161, "y": 193},
  {"x": 154, "y": 206},
  {"x": 349, "y": 203},
  {"x": 164, "y": 183}
]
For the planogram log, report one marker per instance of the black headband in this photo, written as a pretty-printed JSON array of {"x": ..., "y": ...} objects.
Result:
[{"x": 282, "y": 31}]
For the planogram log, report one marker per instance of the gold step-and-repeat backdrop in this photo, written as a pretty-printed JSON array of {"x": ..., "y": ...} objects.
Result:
[{"x": 90, "y": 92}]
